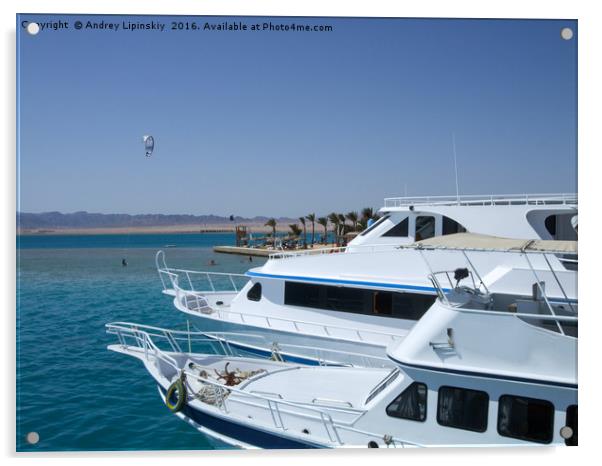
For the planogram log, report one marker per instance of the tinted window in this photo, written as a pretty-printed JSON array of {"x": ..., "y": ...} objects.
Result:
[
  {"x": 254, "y": 294},
  {"x": 525, "y": 418},
  {"x": 550, "y": 224},
  {"x": 383, "y": 302},
  {"x": 302, "y": 294},
  {"x": 463, "y": 409},
  {"x": 345, "y": 299},
  {"x": 425, "y": 228},
  {"x": 411, "y": 404},
  {"x": 399, "y": 230},
  {"x": 410, "y": 306},
  {"x": 571, "y": 421},
  {"x": 450, "y": 227}
]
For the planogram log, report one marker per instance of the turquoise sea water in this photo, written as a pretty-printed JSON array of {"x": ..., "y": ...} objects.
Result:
[{"x": 70, "y": 390}]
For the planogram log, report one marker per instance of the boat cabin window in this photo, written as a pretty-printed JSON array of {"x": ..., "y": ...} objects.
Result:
[
  {"x": 463, "y": 408},
  {"x": 450, "y": 226},
  {"x": 571, "y": 421},
  {"x": 525, "y": 419},
  {"x": 410, "y": 306},
  {"x": 374, "y": 225},
  {"x": 411, "y": 404},
  {"x": 550, "y": 224},
  {"x": 399, "y": 230},
  {"x": 559, "y": 226},
  {"x": 254, "y": 294},
  {"x": 425, "y": 227}
]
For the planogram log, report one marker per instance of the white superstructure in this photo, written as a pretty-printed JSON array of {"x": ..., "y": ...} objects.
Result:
[{"x": 371, "y": 292}]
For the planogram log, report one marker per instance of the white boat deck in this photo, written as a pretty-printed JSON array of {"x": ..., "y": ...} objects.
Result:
[{"x": 339, "y": 387}]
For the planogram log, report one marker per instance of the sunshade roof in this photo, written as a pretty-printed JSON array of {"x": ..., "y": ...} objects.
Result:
[{"x": 494, "y": 243}]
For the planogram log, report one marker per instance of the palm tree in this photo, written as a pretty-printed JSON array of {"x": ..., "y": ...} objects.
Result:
[
  {"x": 367, "y": 214},
  {"x": 342, "y": 224},
  {"x": 324, "y": 222},
  {"x": 353, "y": 217},
  {"x": 302, "y": 220},
  {"x": 336, "y": 223},
  {"x": 272, "y": 223},
  {"x": 312, "y": 219},
  {"x": 295, "y": 230}
]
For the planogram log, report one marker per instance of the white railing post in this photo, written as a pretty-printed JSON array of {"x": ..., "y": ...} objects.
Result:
[
  {"x": 210, "y": 281},
  {"x": 232, "y": 281},
  {"x": 189, "y": 282}
]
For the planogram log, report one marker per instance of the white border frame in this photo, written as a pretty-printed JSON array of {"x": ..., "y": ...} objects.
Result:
[{"x": 590, "y": 77}]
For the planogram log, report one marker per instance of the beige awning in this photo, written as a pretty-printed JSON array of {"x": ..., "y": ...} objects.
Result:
[{"x": 494, "y": 243}]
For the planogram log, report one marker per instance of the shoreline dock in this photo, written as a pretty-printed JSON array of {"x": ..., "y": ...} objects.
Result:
[
  {"x": 262, "y": 252},
  {"x": 244, "y": 251}
]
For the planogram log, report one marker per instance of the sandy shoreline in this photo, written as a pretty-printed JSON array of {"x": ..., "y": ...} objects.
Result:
[{"x": 165, "y": 229}]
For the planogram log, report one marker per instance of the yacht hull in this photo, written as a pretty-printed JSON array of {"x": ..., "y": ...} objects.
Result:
[{"x": 234, "y": 434}]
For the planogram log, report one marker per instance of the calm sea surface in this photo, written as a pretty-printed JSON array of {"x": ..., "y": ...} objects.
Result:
[{"x": 70, "y": 390}]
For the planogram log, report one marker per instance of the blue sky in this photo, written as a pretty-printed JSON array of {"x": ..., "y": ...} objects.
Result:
[{"x": 286, "y": 123}]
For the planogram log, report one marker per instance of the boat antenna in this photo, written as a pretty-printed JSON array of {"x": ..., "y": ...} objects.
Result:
[{"x": 456, "y": 167}]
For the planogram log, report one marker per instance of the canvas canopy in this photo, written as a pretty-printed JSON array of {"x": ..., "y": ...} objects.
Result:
[{"x": 494, "y": 243}]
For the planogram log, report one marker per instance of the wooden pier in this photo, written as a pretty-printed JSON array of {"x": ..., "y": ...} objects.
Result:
[{"x": 244, "y": 251}]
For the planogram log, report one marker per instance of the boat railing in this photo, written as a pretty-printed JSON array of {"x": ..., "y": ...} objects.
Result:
[
  {"x": 484, "y": 200},
  {"x": 360, "y": 248},
  {"x": 142, "y": 336},
  {"x": 481, "y": 289},
  {"x": 434, "y": 277},
  {"x": 195, "y": 302},
  {"x": 221, "y": 343},
  {"x": 206, "y": 282}
]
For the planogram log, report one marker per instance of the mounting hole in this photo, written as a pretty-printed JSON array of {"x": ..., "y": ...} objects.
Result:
[
  {"x": 566, "y": 33},
  {"x": 306, "y": 431},
  {"x": 33, "y": 29},
  {"x": 219, "y": 303},
  {"x": 32, "y": 437},
  {"x": 372, "y": 444}
]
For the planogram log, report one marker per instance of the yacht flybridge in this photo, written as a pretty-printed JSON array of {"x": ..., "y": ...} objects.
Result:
[
  {"x": 491, "y": 361},
  {"x": 409, "y": 219}
]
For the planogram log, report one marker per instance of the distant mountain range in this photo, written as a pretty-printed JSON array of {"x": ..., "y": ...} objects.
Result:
[{"x": 26, "y": 221}]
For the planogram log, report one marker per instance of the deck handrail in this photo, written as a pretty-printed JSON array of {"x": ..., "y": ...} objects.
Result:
[
  {"x": 143, "y": 339},
  {"x": 355, "y": 248},
  {"x": 181, "y": 297},
  {"x": 549, "y": 301},
  {"x": 222, "y": 340},
  {"x": 163, "y": 269},
  {"x": 485, "y": 199}
]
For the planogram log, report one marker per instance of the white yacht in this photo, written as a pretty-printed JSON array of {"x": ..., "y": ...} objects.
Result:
[
  {"x": 481, "y": 367},
  {"x": 363, "y": 297}
]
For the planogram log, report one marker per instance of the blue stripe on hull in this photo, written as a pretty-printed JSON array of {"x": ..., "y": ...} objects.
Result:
[
  {"x": 240, "y": 432},
  {"x": 427, "y": 289},
  {"x": 396, "y": 286}
]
